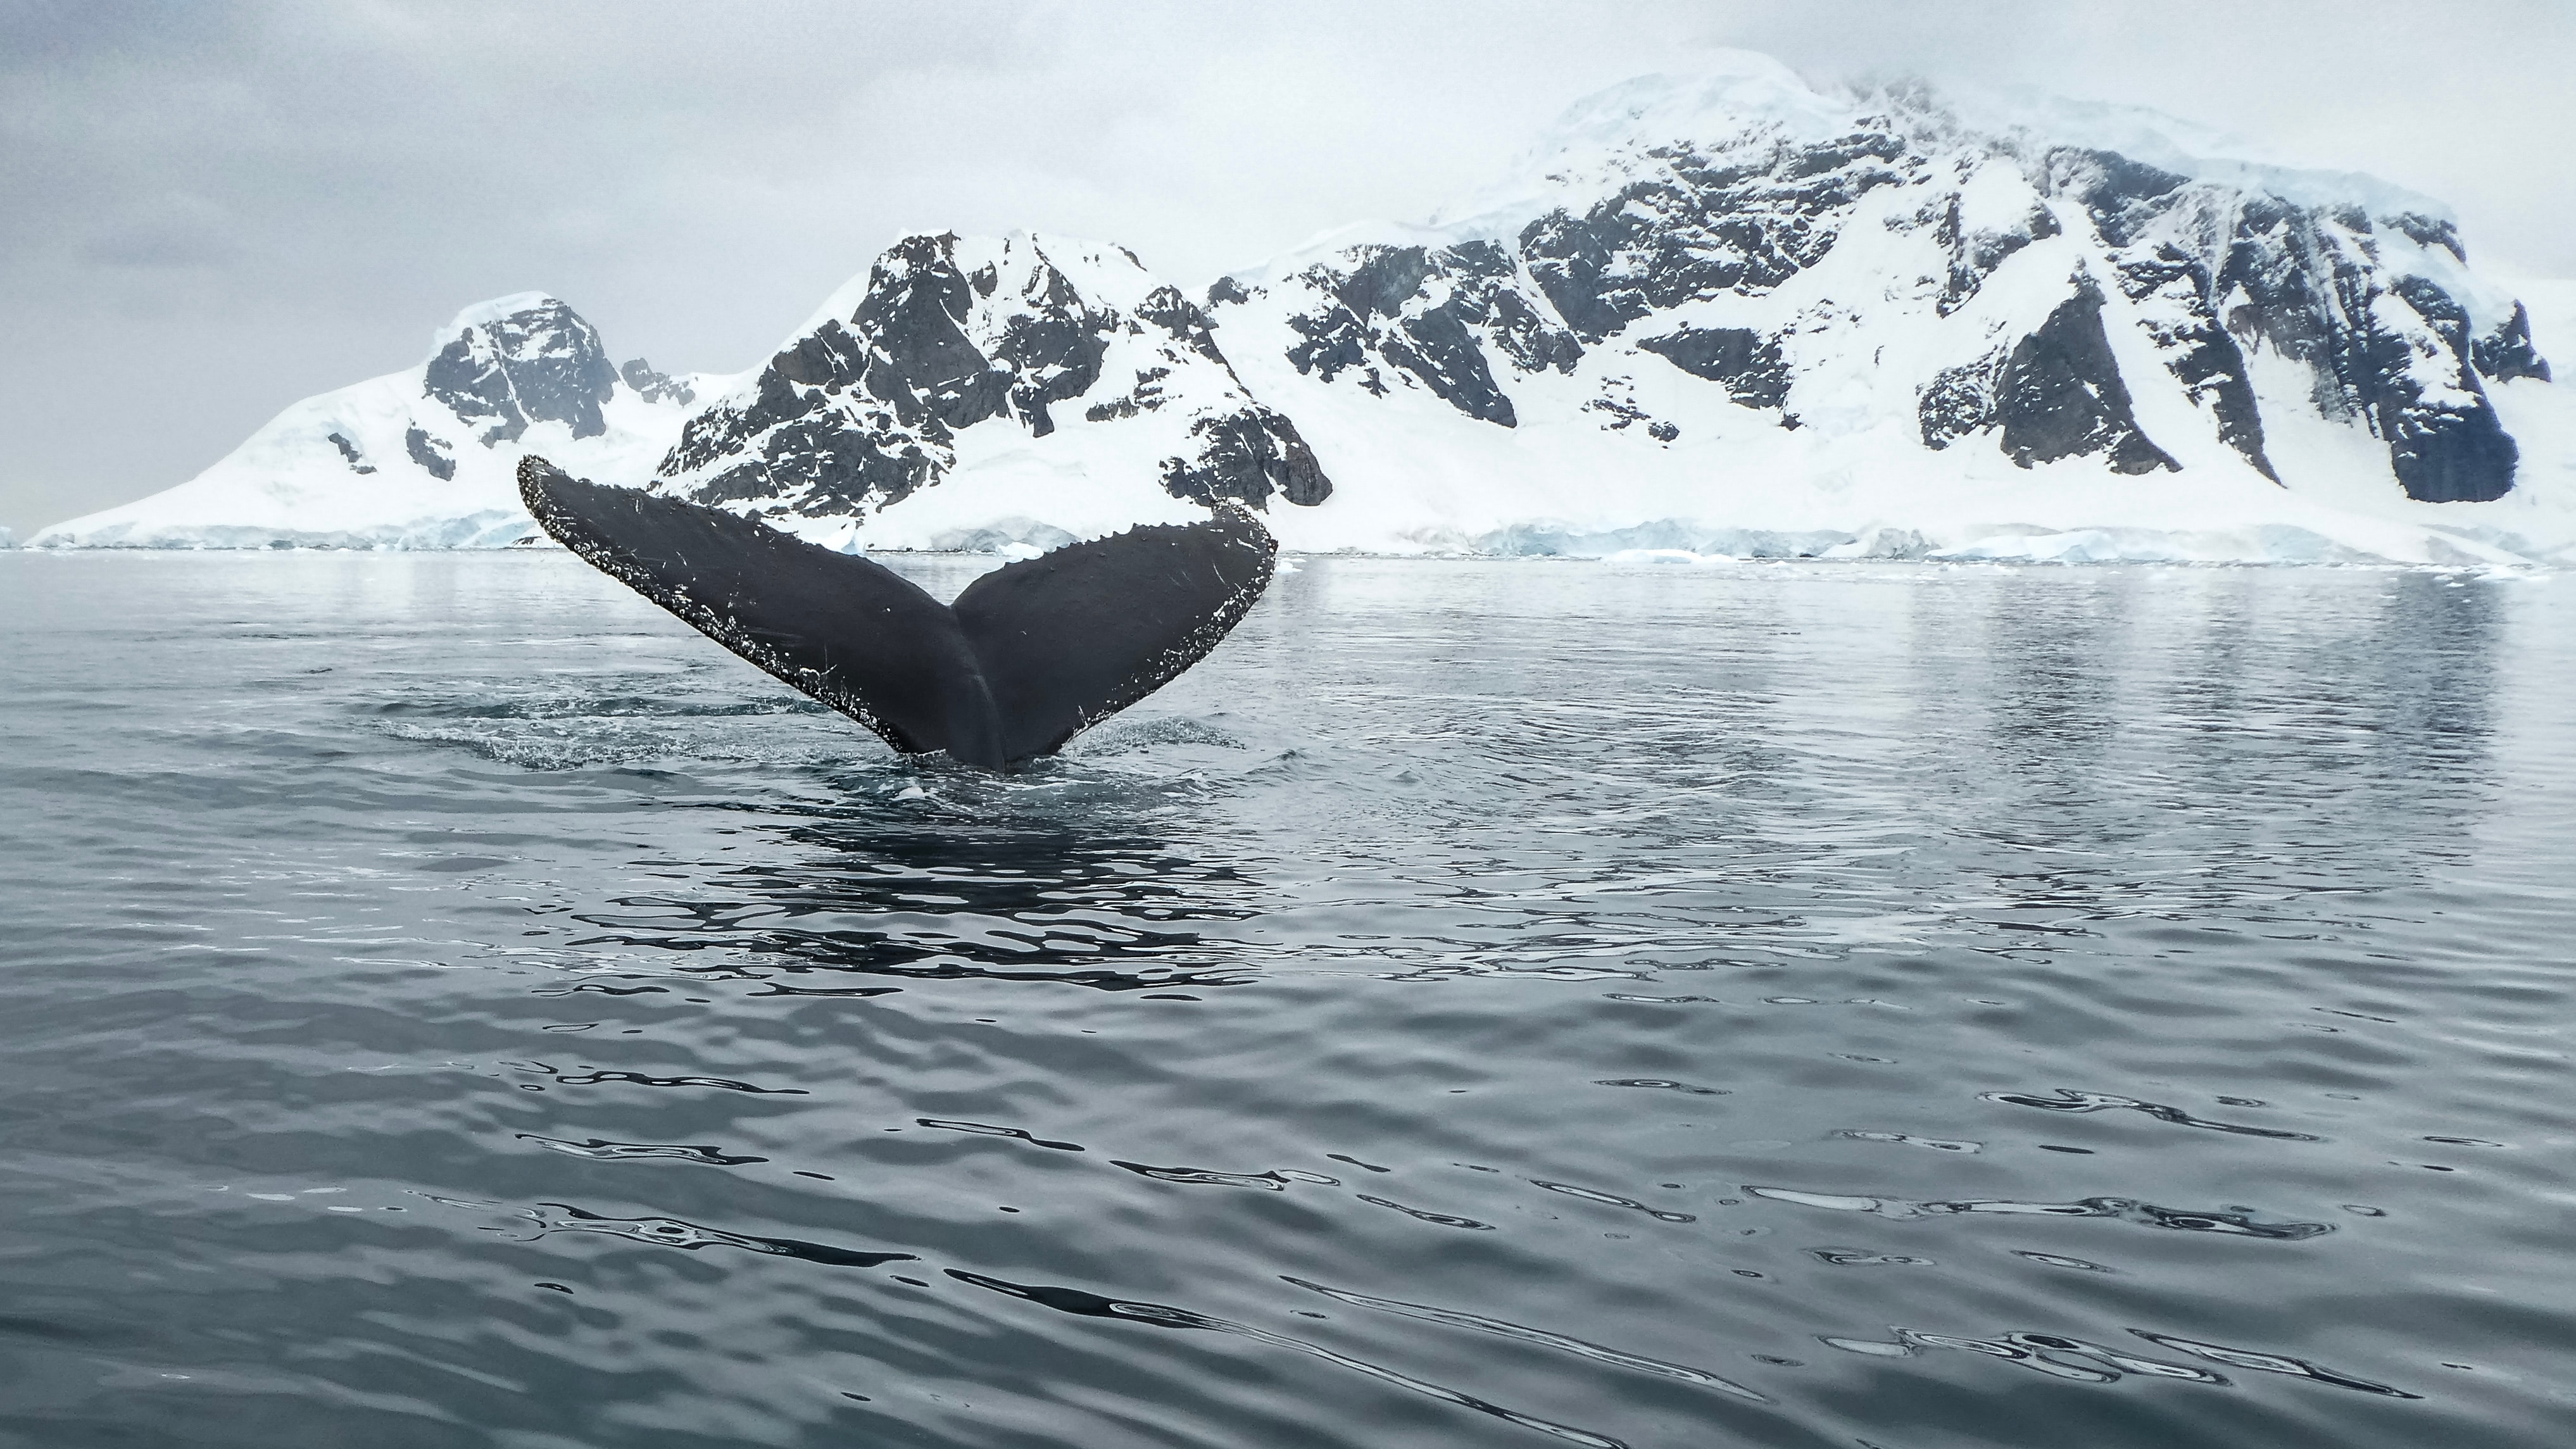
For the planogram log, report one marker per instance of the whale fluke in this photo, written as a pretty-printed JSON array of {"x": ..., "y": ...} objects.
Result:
[{"x": 1031, "y": 654}]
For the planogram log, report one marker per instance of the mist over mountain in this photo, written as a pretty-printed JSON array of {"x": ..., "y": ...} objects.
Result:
[{"x": 1719, "y": 314}]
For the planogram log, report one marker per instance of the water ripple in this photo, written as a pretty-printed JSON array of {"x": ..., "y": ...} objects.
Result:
[
  {"x": 1446, "y": 1220},
  {"x": 1275, "y": 1180},
  {"x": 1452, "y": 1318},
  {"x": 603, "y": 1150},
  {"x": 2147, "y": 1214},
  {"x": 690, "y": 1237},
  {"x": 2069, "y": 1100},
  {"x": 1092, "y": 1305},
  {"x": 317, "y": 865}
]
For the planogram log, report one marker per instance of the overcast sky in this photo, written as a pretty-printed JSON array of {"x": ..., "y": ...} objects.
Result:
[{"x": 209, "y": 210}]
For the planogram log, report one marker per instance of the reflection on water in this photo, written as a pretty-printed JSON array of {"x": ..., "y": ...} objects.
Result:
[{"x": 1484, "y": 1003}]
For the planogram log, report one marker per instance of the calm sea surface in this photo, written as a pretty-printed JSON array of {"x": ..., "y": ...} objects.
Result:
[{"x": 444, "y": 1001}]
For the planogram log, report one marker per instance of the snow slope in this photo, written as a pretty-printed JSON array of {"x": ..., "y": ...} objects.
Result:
[{"x": 422, "y": 458}]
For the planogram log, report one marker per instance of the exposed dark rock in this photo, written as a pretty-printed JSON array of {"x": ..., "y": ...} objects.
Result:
[
  {"x": 1434, "y": 314},
  {"x": 1959, "y": 401},
  {"x": 1527, "y": 337},
  {"x": 1385, "y": 279},
  {"x": 2061, "y": 396},
  {"x": 349, "y": 451},
  {"x": 2444, "y": 315},
  {"x": 1147, "y": 396},
  {"x": 1974, "y": 255},
  {"x": 2507, "y": 353},
  {"x": 1454, "y": 318},
  {"x": 861, "y": 412},
  {"x": 2121, "y": 194},
  {"x": 1622, "y": 412},
  {"x": 1245, "y": 456},
  {"x": 431, "y": 453},
  {"x": 1748, "y": 363},
  {"x": 542, "y": 363},
  {"x": 1185, "y": 320},
  {"x": 1839, "y": 156},
  {"x": 1225, "y": 290},
  {"x": 916, "y": 299},
  {"x": 1663, "y": 432},
  {"x": 654, "y": 386},
  {"x": 804, "y": 448},
  {"x": 1056, "y": 354},
  {"x": 477, "y": 390},
  {"x": 1333, "y": 340},
  {"x": 2451, "y": 456},
  {"x": 1439, "y": 349},
  {"x": 1705, "y": 230},
  {"x": 2430, "y": 231},
  {"x": 2211, "y": 366},
  {"x": 828, "y": 357},
  {"x": 2443, "y": 450},
  {"x": 828, "y": 465},
  {"x": 2294, "y": 279},
  {"x": 858, "y": 414},
  {"x": 1568, "y": 259},
  {"x": 2199, "y": 351},
  {"x": 2393, "y": 355}
]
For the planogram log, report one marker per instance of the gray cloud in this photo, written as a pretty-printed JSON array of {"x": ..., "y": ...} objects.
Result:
[{"x": 217, "y": 209}]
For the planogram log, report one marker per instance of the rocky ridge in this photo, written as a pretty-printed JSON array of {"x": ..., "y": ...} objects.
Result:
[
  {"x": 1041, "y": 338},
  {"x": 1759, "y": 235}
]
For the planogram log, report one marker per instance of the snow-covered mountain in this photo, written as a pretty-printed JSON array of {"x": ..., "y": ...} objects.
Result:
[
  {"x": 967, "y": 392},
  {"x": 1726, "y": 313},
  {"x": 1732, "y": 313},
  {"x": 422, "y": 458}
]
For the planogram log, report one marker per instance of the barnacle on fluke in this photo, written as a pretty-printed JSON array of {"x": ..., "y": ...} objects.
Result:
[{"x": 1028, "y": 656}]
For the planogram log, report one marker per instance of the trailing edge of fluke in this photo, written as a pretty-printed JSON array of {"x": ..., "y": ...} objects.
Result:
[{"x": 1029, "y": 655}]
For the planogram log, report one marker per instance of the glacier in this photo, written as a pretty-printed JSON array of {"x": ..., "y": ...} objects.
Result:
[{"x": 1720, "y": 315}]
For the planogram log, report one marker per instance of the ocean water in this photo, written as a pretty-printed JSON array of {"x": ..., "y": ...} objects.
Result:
[{"x": 447, "y": 1002}]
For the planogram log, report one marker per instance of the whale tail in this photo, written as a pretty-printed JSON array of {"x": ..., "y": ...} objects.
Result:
[{"x": 1028, "y": 656}]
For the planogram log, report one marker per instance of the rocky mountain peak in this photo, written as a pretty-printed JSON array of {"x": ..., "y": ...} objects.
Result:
[
  {"x": 506, "y": 363},
  {"x": 424, "y": 457},
  {"x": 950, "y": 334}
]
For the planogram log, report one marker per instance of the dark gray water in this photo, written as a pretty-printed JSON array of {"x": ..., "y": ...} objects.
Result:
[{"x": 449, "y": 1003}]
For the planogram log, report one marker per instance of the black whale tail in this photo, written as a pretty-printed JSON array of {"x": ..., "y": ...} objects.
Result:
[{"x": 1031, "y": 654}]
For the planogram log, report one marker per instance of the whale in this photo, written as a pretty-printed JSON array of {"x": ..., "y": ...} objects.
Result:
[{"x": 1030, "y": 655}]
